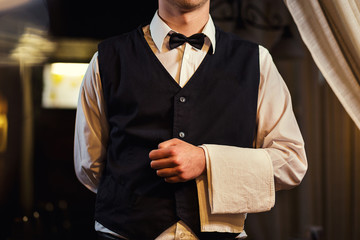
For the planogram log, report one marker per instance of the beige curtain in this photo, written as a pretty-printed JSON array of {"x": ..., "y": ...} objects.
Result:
[
  {"x": 331, "y": 31},
  {"x": 329, "y": 197}
]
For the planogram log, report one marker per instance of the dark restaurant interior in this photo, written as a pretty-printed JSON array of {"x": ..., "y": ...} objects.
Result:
[{"x": 40, "y": 196}]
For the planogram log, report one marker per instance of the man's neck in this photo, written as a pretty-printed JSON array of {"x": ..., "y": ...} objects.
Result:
[{"x": 185, "y": 22}]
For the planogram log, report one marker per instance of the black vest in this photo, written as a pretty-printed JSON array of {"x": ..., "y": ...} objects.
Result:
[{"x": 145, "y": 106}]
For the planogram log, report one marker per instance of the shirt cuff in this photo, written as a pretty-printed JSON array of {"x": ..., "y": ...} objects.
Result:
[{"x": 239, "y": 180}]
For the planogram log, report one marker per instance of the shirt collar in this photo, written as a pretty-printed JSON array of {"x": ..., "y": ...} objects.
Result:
[{"x": 159, "y": 30}]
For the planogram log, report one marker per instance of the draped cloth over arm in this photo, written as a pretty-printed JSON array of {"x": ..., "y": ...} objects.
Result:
[
  {"x": 244, "y": 180},
  {"x": 331, "y": 32}
]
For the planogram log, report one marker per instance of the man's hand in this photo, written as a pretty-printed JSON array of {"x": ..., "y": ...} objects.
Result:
[{"x": 178, "y": 161}]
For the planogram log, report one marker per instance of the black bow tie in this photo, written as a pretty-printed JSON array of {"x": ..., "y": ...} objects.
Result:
[{"x": 177, "y": 39}]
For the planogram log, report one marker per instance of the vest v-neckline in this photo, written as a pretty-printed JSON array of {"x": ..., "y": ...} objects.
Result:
[{"x": 161, "y": 66}]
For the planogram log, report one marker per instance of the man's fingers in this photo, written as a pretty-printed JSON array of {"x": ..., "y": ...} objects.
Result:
[
  {"x": 168, "y": 143},
  {"x": 165, "y": 150},
  {"x": 167, "y": 172},
  {"x": 171, "y": 175},
  {"x": 162, "y": 163},
  {"x": 159, "y": 154},
  {"x": 174, "y": 179},
  {"x": 177, "y": 161}
]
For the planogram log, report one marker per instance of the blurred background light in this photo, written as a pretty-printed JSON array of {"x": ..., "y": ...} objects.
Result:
[
  {"x": 62, "y": 82},
  {"x": 3, "y": 124}
]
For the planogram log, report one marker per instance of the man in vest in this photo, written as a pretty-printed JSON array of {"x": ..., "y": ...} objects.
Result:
[{"x": 182, "y": 129}]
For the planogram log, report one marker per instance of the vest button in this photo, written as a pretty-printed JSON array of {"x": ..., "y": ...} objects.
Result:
[
  {"x": 181, "y": 134},
  {"x": 182, "y": 99}
]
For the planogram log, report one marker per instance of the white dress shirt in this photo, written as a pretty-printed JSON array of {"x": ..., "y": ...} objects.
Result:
[{"x": 238, "y": 180}]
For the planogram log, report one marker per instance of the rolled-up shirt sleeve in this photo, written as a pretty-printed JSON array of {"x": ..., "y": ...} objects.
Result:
[
  {"x": 91, "y": 129},
  {"x": 242, "y": 180}
]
